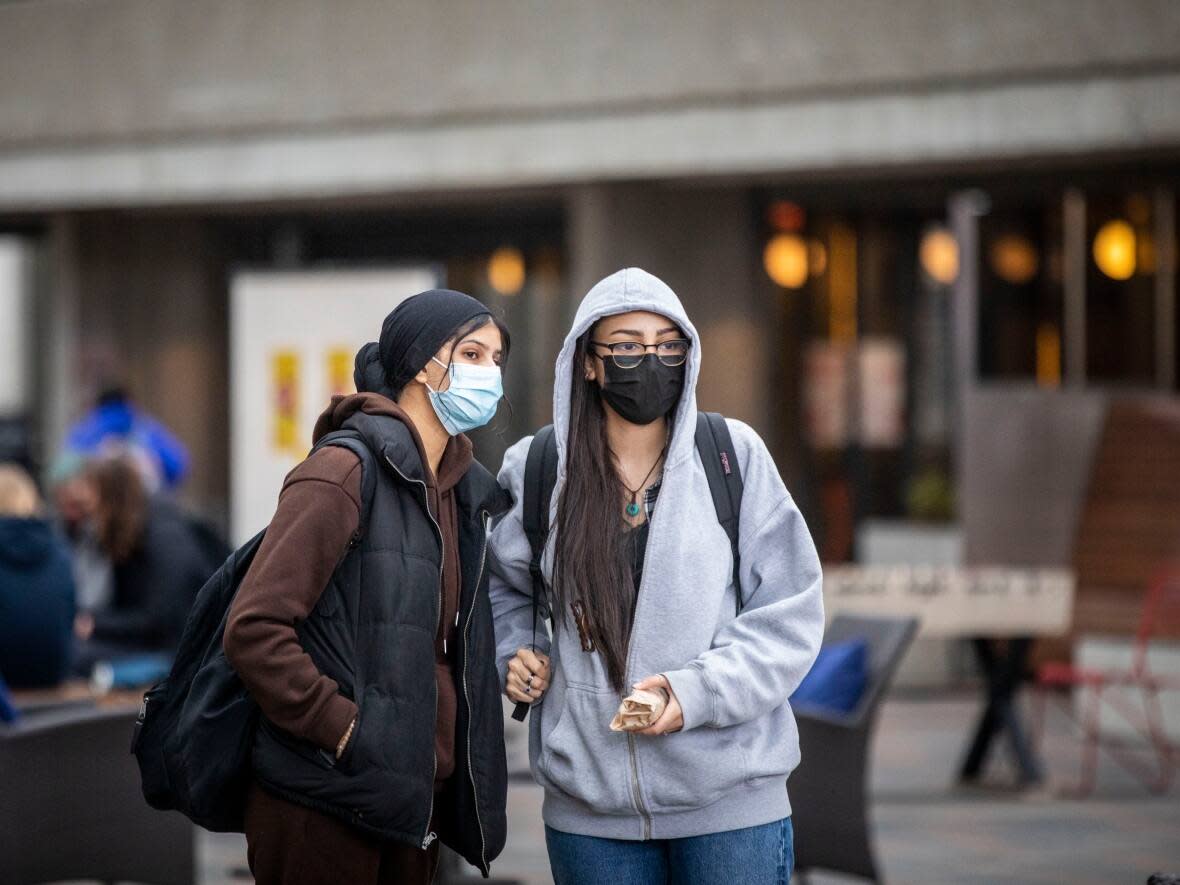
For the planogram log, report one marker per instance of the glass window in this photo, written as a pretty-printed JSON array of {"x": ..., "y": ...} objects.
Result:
[
  {"x": 1121, "y": 261},
  {"x": 866, "y": 352},
  {"x": 1021, "y": 310}
]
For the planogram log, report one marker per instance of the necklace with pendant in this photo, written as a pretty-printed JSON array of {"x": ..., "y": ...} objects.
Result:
[{"x": 632, "y": 509}]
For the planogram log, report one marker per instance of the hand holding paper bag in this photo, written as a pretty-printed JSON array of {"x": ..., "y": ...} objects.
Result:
[{"x": 640, "y": 709}]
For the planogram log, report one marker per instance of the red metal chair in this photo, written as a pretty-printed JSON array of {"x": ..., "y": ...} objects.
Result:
[{"x": 1160, "y": 612}]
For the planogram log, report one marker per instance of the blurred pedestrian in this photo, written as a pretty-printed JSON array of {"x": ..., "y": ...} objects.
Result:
[
  {"x": 640, "y": 579},
  {"x": 36, "y": 588},
  {"x": 115, "y": 422},
  {"x": 75, "y": 502},
  {"x": 372, "y": 656},
  {"x": 157, "y": 566}
]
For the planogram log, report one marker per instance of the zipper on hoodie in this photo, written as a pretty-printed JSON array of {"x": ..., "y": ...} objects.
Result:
[
  {"x": 643, "y": 812},
  {"x": 467, "y": 696},
  {"x": 430, "y": 837},
  {"x": 632, "y": 751}
]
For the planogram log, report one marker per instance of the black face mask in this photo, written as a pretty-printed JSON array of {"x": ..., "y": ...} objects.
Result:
[{"x": 645, "y": 393}]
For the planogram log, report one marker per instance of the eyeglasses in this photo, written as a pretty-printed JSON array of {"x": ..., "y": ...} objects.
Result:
[{"x": 629, "y": 354}]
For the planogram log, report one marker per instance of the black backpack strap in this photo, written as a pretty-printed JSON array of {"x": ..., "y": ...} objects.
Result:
[
  {"x": 355, "y": 443},
  {"x": 540, "y": 477},
  {"x": 725, "y": 483}
]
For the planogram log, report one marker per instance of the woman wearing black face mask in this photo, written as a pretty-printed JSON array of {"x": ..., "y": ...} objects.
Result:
[{"x": 688, "y": 787}]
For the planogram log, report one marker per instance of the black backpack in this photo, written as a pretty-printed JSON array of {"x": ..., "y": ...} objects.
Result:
[
  {"x": 195, "y": 730},
  {"x": 212, "y": 544},
  {"x": 540, "y": 476}
]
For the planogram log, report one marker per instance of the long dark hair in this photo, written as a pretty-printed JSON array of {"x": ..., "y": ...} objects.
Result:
[
  {"x": 591, "y": 563},
  {"x": 122, "y": 505}
]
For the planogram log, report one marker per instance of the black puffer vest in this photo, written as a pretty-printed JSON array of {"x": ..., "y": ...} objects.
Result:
[{"x": 373, "y": 632}]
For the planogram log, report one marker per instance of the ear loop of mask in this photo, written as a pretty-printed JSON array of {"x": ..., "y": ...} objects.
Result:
[{"x": 446, "y": 368}]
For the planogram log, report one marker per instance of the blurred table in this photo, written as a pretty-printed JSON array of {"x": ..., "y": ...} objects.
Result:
[
  {"x": 1001, "y": 610},
  {"x": 74, "y": 693}
]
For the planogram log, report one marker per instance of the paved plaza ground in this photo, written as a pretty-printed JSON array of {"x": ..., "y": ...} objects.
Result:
[{"x": 929, "y": 830}]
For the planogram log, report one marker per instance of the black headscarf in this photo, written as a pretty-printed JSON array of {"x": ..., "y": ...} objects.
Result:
[{"x": 410, "y": 336}]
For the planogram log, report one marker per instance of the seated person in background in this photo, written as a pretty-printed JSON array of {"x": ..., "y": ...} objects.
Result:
[
  {"x": 36, "y": 588},
  {"x": 74, "y": 504},
  {"x": 157, "y": 566}
]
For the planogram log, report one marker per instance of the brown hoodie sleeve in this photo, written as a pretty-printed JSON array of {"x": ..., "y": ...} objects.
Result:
[{"x": 318, "y": 513}]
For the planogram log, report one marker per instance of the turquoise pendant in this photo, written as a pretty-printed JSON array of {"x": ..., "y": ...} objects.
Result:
[{"x": 633, "y": 509}]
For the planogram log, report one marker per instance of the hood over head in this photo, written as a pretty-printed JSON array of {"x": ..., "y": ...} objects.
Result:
[
  {"x": 624, "y": 291},
  {"x": 25, "y": 542}
]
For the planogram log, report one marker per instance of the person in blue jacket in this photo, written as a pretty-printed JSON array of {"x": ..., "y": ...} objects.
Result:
[
  {"x": 36, "y": 589},
  {"x": 116, "y": 420}
]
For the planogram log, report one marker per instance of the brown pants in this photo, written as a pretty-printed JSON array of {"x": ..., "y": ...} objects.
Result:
[{"x": 288, "y": 844}]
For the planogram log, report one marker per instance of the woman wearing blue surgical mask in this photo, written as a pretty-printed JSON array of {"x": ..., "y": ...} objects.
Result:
[{"x": 363, "y": 627}]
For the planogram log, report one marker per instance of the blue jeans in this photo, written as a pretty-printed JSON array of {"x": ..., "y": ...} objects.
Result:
[{"x": 762, "y": 855}]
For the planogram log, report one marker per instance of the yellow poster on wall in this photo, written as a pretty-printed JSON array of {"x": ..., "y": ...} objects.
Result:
[
  {"x": 339, "y": 365},
  {"x": 284, "y": 372},
  {"x": 283, "y": 327}
]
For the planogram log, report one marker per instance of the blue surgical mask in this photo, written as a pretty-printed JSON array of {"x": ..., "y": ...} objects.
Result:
[{"x": 471, "y": 400}]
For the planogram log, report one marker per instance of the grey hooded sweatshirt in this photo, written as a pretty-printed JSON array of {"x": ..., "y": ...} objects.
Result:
[{"x": 728, "y": 767}]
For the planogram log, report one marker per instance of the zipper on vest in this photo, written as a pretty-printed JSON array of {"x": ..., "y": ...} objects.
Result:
[
  {"x": 430, "y": 836},
  {"x": 467, "y": 695}
]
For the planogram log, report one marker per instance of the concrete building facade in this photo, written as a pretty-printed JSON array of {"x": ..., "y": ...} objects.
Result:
[{"x": 149, "y": 148}]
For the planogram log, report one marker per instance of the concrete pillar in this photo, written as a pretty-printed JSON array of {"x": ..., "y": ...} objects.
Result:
[
  {"x": 963, "y": 211},
  {"x": 151, "y": 314},
  {"x": 15, "y": 326},
  {"x": 1074, "y": 331},
  {"x": 591, "y": 241},
  {"x": 57, "y": 320}
]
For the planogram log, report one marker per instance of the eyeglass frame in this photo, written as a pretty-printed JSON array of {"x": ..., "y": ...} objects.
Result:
[{"x": 646, "y": 347}]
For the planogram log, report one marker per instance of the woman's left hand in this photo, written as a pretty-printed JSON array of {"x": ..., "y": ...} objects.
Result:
[{"x": 672, "y": 719}]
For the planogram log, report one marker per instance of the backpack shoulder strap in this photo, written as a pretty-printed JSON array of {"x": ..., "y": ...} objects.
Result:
[
  {"x": 725, "y": 482},
  {"x": 540, "y": 478},
  {"x": 355, "y": 443}
]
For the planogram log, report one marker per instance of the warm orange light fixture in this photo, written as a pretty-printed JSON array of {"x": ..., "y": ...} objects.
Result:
[
  {"x": 843, "y": 283},
  {"x": 506, "y": 270},
  {"x": 1013, "y": 258},
  {"x": 1048, "y": 356},
  {"x": 785, "y": 216},
  {"x": 938, "y": 253},
  {"x": 1114, "y": 249},
  {"x": 785, "y": 260}
]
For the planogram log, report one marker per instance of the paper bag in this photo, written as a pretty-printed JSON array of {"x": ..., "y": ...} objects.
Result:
[{"x": 640, "y": 709}]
